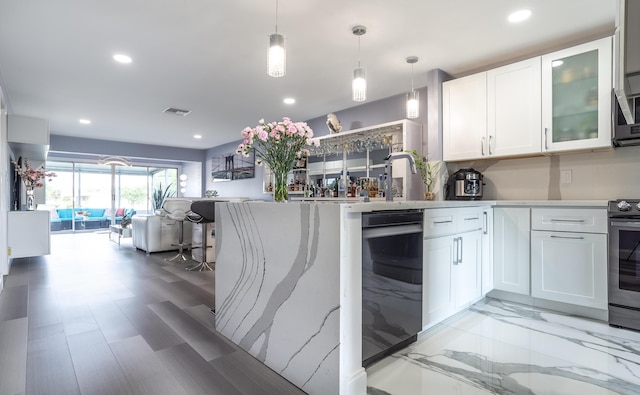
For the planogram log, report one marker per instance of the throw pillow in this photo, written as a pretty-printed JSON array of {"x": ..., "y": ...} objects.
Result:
[{"x": 120, "y": 212}]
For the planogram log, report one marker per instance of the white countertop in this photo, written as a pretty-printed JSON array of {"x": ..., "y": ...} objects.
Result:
[
  {"x": 376, "y": 206},
  {"x": 357, "y": 205}
]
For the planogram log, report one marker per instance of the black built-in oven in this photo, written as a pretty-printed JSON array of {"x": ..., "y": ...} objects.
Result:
[{"x": 624, "y": 264}]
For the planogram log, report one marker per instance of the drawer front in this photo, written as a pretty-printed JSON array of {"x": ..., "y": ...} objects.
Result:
[
  {"x": 439, "y": 222},
  {"x": 469, "y": 218},
  {"x": 569, "y": 220}
]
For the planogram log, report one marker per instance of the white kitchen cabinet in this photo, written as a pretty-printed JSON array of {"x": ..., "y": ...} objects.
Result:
[
  {"x": 438, "y": 301},
  {"x": 569, "y": 256},
  {"x": 576, "y": 97},
  {"x": 452, "y": 262},
  {"x": 569, "y": 267},
  {"x": 487, "y": 250},
  {"x": 464, "y": 117},
  {"x": 493, "y": 114},
  {"x": 514, "y": 110},
  {"x": 467, "y": 276},
  {"x": 511, "y": 246},
  {"x": 28, "y": 233}
]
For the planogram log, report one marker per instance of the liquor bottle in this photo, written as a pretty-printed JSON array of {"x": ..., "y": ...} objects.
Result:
[{"x": 342, "y": 186}]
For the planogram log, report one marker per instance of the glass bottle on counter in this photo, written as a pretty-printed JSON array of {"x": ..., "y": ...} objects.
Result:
[{"x": 342, "y": 186}]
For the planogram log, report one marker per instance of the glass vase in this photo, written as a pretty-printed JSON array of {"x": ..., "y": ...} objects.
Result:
[
  {"x": 31, "y": 203},
  {"x": 280, "y": 189}
]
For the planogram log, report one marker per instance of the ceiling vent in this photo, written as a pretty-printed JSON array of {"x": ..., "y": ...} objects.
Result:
[{"x": 177, "y": 111}]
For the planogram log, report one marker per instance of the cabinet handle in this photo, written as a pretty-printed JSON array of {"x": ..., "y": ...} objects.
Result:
[
  {"x": 577, "y": 221},
  {"x": 546, "y": 138},
  {"x": 482, "y": 146},
  {"x": 443, "y": 222},
  {"x": 567, "y": 237},
  {"x": 472, "y": 218},
  {"x": 485, "y": 223},
  {"x": 455, "y": 252},
  {"x": 460, "y": 249},
  {"x": 489, "y": 145}
]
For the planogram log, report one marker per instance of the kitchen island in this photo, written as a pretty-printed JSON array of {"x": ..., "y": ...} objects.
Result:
[
  {"x": 289, "y": 288},
  {"x": 289, "y": 285}
]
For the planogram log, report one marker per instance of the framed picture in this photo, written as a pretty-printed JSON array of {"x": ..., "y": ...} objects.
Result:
[{"x": 233, "y": 167}]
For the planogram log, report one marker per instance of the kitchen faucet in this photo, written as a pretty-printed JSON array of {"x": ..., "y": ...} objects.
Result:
[{"x": 393, "y": 156}]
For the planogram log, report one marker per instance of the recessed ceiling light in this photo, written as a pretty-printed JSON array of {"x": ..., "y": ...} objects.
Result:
[
  {"x": 197, "y": 136},
  {"x": 121, "y": 58},
  {"x": 84, "y": 121},
  {"x": 556, "y": 63},
  {"x": 289, "y": 100},
  {"x": 519, "y": 16}
]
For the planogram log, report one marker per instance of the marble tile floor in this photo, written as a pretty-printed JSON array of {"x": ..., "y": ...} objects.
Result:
[{"x": 498, "y": 347}]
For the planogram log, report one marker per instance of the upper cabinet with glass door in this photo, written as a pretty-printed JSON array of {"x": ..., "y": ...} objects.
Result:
[{"x": 576, "y": 97}]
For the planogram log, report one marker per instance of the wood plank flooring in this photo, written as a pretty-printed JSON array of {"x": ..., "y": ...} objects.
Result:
[{"x": 97, "y": 318}]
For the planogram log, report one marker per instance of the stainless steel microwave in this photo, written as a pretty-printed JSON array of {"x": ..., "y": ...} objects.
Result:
[{"x": 625, "y": 135}]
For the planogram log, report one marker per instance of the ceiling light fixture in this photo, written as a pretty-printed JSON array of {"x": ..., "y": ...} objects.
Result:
[
  {"x": 413, "y": 97},
  {"x": 519, "y": 16},
  {"x": 359, "y": 83},
  {"x": 197, "y": 136},
  {"x": 276, "y": 56},
  {"x": 289, "y": 100},
  {"x": 121, "y": 58},
  {"x": 84, "y": 121},
  {"x": 115, "y": 161}
]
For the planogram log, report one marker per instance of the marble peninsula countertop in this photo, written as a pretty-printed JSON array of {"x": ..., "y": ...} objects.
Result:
[{"x": 357, "y": 205}]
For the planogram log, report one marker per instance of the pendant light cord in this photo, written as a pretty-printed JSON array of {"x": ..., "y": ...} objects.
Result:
[
  {"x": 411, "y": 77},
  {"x": 358, "y": 51},
  {"x": 276, "y": 16}
]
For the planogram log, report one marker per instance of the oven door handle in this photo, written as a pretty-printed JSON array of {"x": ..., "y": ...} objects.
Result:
[
  {"x": 371, "y": 233},
  {"x": 627, "y": 224}
]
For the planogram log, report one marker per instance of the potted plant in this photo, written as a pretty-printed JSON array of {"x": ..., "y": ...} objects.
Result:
[
  {"x": 429, "y": 170},
  {"x": 159, "y": 195}
]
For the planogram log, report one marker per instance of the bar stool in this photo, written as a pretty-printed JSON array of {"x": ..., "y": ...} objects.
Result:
[
  {"x": 202, "y": 212},
  {"x": 177, "y": 210}
]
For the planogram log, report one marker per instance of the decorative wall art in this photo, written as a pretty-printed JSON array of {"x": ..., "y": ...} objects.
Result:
[{"x": 233, "y": 166}]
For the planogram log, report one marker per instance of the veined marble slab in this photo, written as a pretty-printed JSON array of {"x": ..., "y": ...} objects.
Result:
[
  {"x": 507, "y": 348},
  {"x": 278, "y": 288}
]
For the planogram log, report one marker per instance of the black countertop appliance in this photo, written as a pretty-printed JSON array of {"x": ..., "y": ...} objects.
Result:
[{"x": 464, "y": 184}]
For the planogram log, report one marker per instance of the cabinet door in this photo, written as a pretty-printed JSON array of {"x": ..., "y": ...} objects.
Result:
[
  {"x": 29, "y": 233},
  {"x": 487, "y": 250},
  {"x": 514, "y": 109},
  {"x": 576, "y": 97},
  {"x": 511, "y": 249},
  {"x": 569, "y": 267},
  {"x": 466, "y": 269},
  {"x": 464, "y": 113},
  {"x": 437, "y": 296}
]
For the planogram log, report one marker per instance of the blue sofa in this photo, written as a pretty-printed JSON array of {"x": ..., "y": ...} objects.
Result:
[{"x": 85, "y": 218}]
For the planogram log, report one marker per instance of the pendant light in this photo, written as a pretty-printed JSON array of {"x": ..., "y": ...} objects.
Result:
[
  {"x": 413, "y": 97},
  {"x": 276, "y": 56},
  {"x": 359, "y": 84}
]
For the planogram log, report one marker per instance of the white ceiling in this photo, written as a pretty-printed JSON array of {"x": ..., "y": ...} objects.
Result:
[{"x": 209, "y": 56}]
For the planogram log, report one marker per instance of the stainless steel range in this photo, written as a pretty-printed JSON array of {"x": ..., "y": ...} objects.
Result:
[{"x": 624, "y": 264}]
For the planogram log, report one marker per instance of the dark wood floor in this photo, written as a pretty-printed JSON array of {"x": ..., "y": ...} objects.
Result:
[{"x": 97, "y": 318}]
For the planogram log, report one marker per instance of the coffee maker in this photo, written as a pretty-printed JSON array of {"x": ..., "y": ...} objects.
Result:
[{"x": 464, "y": 184}]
